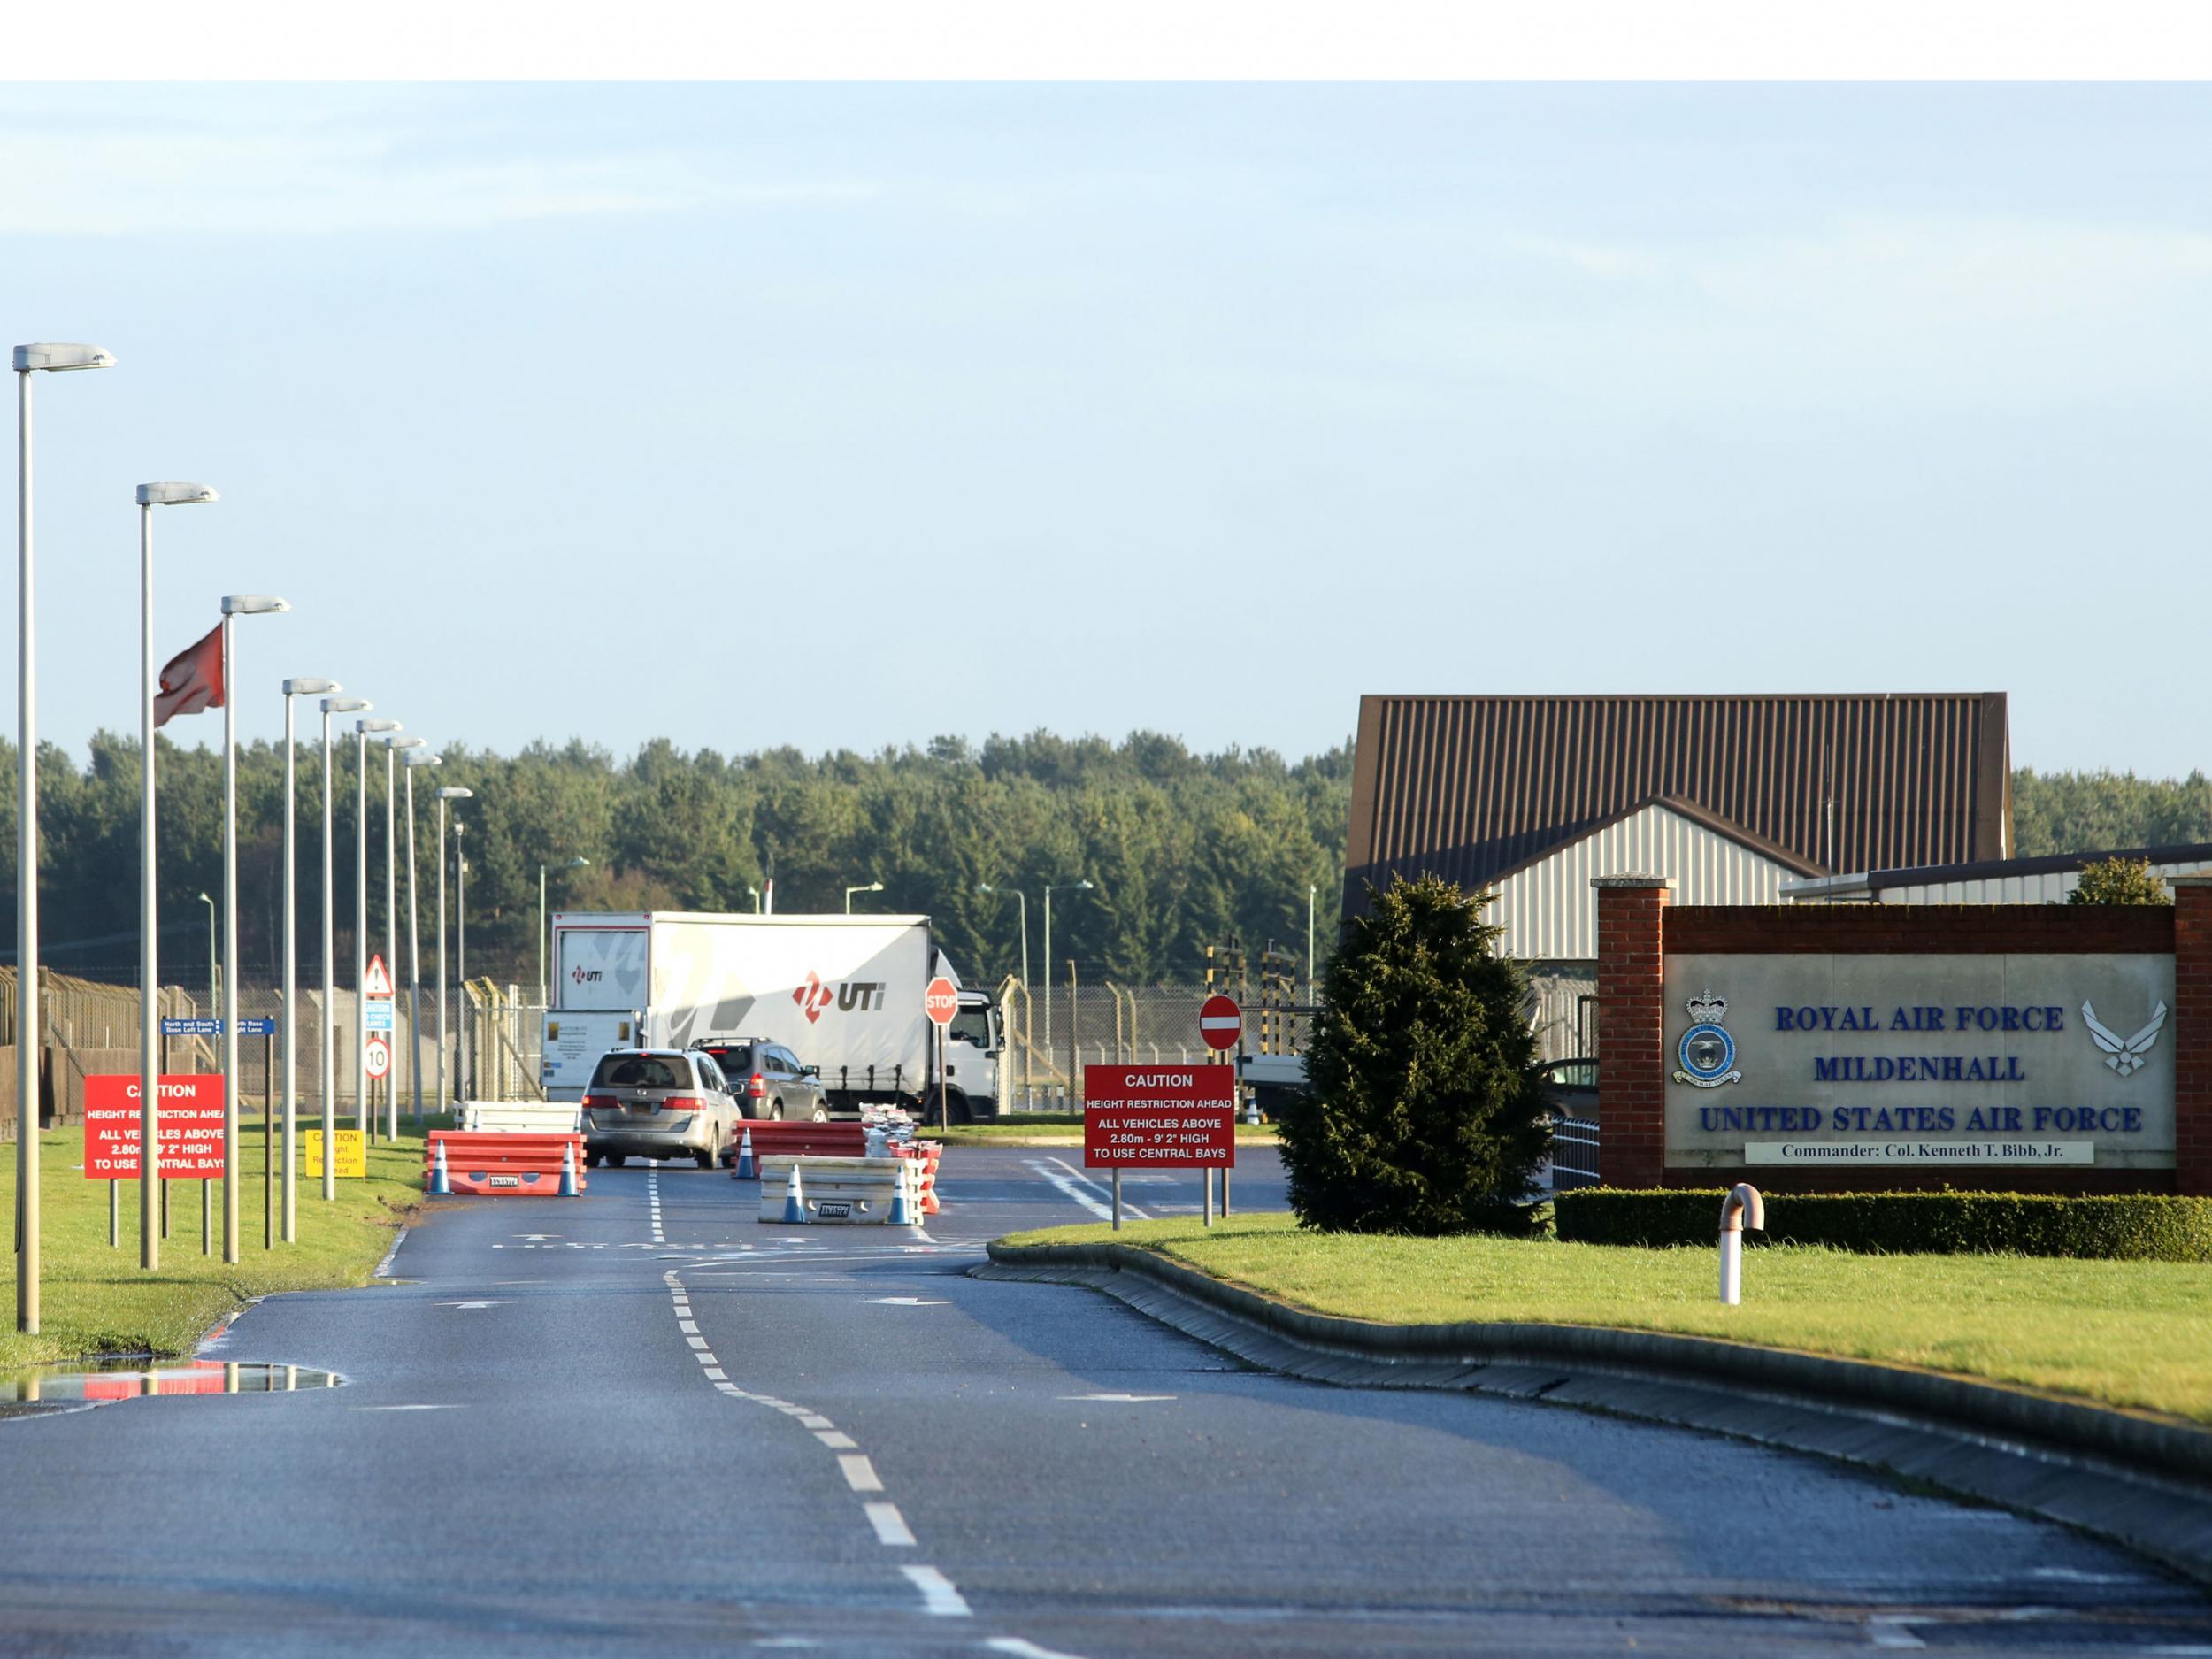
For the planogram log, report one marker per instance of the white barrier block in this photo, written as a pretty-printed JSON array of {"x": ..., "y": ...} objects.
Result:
[{"x": 838, "y": 1191}]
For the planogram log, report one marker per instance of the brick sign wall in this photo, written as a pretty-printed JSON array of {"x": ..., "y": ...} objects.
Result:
[{"x": 2039, "y": 1048}]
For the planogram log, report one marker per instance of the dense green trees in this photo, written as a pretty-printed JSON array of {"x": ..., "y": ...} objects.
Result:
[
  {"x": 1183, "y": 848},
  {"x": 2093, "y": 812}
]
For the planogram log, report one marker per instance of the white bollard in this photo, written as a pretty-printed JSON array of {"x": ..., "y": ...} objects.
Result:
[{"x": 1743, "y": 1201}]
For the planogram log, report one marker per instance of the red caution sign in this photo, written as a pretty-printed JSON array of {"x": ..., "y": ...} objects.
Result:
[
  {"x": 1159, "y": 1117},
  {"x": 191, "y": 1128}
]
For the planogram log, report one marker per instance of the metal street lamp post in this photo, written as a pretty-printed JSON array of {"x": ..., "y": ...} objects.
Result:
[
  {"x": 1022, "y": 900},
  {"x": 1065, "y": 886},
  {"x": 325, "y": 1043},
  {"x": 151, "y": 496},
  {"x": 48, "y": 357},
  {"x": 214, "y": 976},
  {"x": 296, "y": 688},
  {"x": 362, "y": 1115},
  {"x": 872, "y": 886},
  {"x": 392, "y": 912},
  {"x": 420, "y": 757},
  {"x": 1311, "y": 890},
  {"x": 235, "y": 606},
  {"x": 463, "y": 1051},
  {"x": 573, "y": 863},
  {"x": 445, "y": 794}
]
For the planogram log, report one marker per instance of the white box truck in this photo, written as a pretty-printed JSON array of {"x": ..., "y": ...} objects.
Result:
[{"x": 843, "y": 993}]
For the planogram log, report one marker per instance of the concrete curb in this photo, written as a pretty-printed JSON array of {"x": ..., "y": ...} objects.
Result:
[{"x": 2142, "y": 1481}]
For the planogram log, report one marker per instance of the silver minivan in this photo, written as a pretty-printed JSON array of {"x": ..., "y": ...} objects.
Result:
[{"x": 658, "y": 1104}]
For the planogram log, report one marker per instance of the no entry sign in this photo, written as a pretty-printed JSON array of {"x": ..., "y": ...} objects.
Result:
[
  {"x": 942, "y": 1001},
  {"x": 191, "y": 1128},
  {"x": 1159, "y": 1117},
  {"x": 1220, "y": 1022}
]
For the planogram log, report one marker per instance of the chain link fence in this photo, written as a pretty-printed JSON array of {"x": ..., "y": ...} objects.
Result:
[{"x": 492, "y": 1039}]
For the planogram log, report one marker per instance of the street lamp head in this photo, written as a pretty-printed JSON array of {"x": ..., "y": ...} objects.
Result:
[
  {"x": 310, "y": 687},
  {"x": 346, "y": 705},
  {"x": 253, "y": 605},
  {"x": 205, "y": 899},
  {"x": 580, "y": 863},
  {"x": 453, "y": 792},
  {"x": 873, "y": 887},
  {"x": 985, "y": 887},
  {"x": 422, "y": 759},
  {"x": 57, "y": 355},
  {"x": 403, "y": 742},
  {"x": 367, "y": 726},
  {"x": 1083, "y": 887},
  {"x": 175, "y": 495}
]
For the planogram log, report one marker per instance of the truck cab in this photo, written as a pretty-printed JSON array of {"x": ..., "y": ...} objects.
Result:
[{"x": 972, "y": 1056}]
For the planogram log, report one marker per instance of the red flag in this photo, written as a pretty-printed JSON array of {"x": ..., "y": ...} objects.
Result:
[{"x": 192, "y": 680}]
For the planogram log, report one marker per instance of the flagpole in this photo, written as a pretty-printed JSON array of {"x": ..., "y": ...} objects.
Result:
[
  {"x": 391, "y": 933},
  {"x": 230, "y": 945},
  {"x": 148, "y": 903}
]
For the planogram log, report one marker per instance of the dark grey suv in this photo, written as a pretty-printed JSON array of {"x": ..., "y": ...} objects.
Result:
[{"x": 768, "y": 1079}]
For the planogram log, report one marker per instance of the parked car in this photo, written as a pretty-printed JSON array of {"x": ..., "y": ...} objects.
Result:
[
  {"x": 658, "y": 1104},
  {"x": 768, "y": 1079}
]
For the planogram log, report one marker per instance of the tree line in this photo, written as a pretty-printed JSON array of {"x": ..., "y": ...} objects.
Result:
[{"x": 1183, "y": 849}]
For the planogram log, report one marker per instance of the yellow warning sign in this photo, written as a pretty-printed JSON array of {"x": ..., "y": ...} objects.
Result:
[{"x": 353, "y": 1153}]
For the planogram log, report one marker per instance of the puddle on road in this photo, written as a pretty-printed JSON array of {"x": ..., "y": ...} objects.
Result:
[{"x": 102, "y": 1383}]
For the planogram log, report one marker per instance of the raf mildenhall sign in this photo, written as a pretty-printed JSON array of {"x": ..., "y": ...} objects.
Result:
[{"x": 1984, "y": 1060}]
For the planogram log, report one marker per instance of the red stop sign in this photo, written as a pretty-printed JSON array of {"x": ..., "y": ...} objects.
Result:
[
  {"x": 942, "y": 1001},
  {"x": 1220, "y": 1022}
]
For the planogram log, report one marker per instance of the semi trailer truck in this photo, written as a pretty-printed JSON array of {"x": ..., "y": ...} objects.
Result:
[{"x": 843, "y": 993}]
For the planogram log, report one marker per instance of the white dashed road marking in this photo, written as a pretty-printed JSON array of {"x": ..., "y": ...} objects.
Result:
[
  {"x": 1120, "y": 1399},
  {"x": 938, "y": 1595},
  {"x": 860, "y": 1474},
  {"x": 890, "y": 1525},
  {"x": 1021, "y": 1649}
]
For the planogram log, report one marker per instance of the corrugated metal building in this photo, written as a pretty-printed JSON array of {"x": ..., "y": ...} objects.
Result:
[
  {"x": 1468, "y": 786},
  {"x": 1545, "y": 906},
  {"x": 1733, "y": 796},
  {"x": 2043, "y": 880}
]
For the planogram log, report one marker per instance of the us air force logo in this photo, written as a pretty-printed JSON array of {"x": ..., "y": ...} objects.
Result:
[{"x": 1707, "y": 1052}]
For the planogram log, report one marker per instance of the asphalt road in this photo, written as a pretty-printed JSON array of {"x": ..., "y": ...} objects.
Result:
[{"x": 644, "y": 1423}]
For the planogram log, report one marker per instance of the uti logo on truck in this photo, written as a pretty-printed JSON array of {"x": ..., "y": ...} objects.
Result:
[
  {"x": 853, "y": 996},
  {"x": 586, "y": 976}
]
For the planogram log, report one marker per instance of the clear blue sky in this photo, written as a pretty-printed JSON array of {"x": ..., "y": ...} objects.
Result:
[{"x": 848, "y": 415}]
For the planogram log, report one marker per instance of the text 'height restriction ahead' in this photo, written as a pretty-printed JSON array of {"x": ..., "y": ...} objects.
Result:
[
  {"x": 191, "y": 1120},
  {"x": 1159, "y": 1117}
]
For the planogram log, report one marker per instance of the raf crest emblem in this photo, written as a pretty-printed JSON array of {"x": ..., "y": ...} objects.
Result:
[
  {"x": 2124, "y": 1054},
  {"x": 1707, "y": 1052}
]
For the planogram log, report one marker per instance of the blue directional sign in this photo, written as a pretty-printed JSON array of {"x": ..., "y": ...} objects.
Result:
[
  {"x": 376, "y": 1014},
  {"x": 191, "y": 1027},
  {"x": 256, "y": 1028}
]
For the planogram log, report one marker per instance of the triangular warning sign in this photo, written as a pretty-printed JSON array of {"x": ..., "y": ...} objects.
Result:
[{"x": 378, "y": 982}]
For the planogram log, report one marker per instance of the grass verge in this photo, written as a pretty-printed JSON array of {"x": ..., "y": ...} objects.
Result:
[
  {"x": 2135, "y": 1334},
  {"x": 95, "y": 1299}
]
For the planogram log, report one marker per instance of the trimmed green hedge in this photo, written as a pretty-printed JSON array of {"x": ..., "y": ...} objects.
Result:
[{"x": 2135, "y": 1227}]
